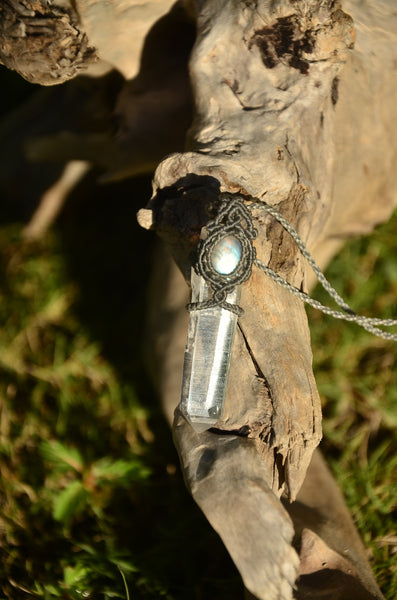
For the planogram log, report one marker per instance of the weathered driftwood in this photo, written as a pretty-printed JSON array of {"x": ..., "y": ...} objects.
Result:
[
  {"x": 333, "y": 562},
  {"x": 125, "y": 127},
  {"x": 277, "y": 90},
  {"x": 286, "y": 111},
  {"x": 118, "y": 29},
  {"x": 43, "y": 40},
  {"x": 264, "y": 84},
  {"x": 49, "y": 42},
  {"x": 364, "y": 181}
]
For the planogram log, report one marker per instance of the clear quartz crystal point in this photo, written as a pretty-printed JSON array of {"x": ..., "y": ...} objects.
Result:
[{"x": 208, "y": 355}]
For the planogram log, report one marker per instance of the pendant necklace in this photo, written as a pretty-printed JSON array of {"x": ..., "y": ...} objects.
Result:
[
  {"x": 223, "y": 262},
  {"x": 224, "y": 259}
]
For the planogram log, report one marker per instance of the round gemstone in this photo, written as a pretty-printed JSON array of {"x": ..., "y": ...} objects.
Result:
[{"x": 226, "y": 255}]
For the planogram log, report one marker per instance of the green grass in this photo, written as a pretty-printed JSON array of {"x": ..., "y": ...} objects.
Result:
[
  {"x": 92, "y": 503},
  {"x": 356, "y": 375}
]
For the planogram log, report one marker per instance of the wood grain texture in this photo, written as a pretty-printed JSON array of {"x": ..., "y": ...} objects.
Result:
[
  {"x": 261, "y": 79},
  {"x": 276, "y": 87},
  {"x": 43, "y": 41},
  {"x": 118, "y": 29},
  {"x": 364, "y": 181},
  {"x": 228, "y": 481}
]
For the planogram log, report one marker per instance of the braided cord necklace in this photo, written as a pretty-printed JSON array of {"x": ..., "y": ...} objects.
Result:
[{"x": 224, "y": 260}]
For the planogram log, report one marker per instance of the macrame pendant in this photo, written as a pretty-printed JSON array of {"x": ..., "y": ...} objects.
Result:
[{"x": 224, "y": 260}]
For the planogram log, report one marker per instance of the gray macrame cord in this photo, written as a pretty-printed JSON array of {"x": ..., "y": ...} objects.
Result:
[
  {"x": 233, "y": 211},
  {"x": 234, "y": 219}
]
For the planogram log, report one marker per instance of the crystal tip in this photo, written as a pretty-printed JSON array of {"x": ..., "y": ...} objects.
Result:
[
  {"x": 199, "y": 424},
  {"x": 202, "y": 422}
]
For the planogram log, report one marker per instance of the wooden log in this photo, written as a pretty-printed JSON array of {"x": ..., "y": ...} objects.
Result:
[
  {"x": 262, "y": 94},
  {"x": 43, "y": 40},
  {"x": 318, "y": 514},
  {"x": 121, "y": 126},
  {"x": 333, "y": 561},
  {"x": 118, "y": 29},
  {"x": 50, "y": 42},
  {"x": 281, "y": 102},
  {"x": 275, "y": 89},
  {"x": 364, "y": 181}
]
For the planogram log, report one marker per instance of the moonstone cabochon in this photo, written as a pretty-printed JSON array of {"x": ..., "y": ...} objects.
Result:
[{"x": 226, "y": 255}]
